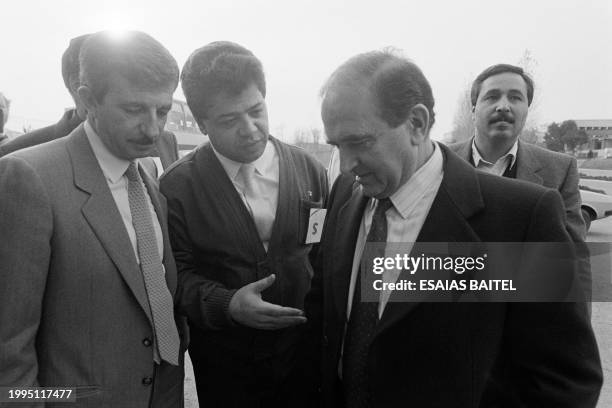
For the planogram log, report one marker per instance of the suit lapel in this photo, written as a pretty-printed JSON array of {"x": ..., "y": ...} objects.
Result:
[
  {"x": 101, "y": 213},
  {"x": 458, "y": 199},
  {"x": 347, "y": 229},
  {"x": 465, "y": 150},
  {"x": 528, "y": 165}
]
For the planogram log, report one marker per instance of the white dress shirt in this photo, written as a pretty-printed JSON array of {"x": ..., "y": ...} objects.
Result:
[
  {"x": 266, "y": 177},
  {"x": 499, "y": 167},
  {"x": 114, "y": 169},
  {"x": 411, "y": 204}
]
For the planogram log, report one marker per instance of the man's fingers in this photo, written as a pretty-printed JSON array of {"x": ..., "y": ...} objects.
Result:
[
  {"x": 264, "y": 283},
  {"x": 272, "y": 310},
  {"x": 275, "y": 323}
]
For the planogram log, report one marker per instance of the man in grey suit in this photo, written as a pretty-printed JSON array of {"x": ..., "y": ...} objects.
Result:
[
  {"x": 88, "y": 277},
  {"x": 166, "y": 146},
  {"x": 501, "y": 96}
]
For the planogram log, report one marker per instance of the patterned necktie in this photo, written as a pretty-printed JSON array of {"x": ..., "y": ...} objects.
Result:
[
  {"x": 259, "y": 207},
  {"x": 160, "y": 300},
  {"x": 361, "y": 325}
]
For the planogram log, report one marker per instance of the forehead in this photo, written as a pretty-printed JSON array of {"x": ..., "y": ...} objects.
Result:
[
  {"x": 122, "y": 90},
  {"x": 506, "y": 81},
  {"x": 224, "y": 103},
  {"x": 349, "y": 111}
]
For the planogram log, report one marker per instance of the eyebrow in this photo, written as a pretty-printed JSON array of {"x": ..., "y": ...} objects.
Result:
[{"x": 232, "y": 114}]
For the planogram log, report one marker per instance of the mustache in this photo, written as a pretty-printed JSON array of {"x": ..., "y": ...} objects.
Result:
[{"x": 502, "y": 117}]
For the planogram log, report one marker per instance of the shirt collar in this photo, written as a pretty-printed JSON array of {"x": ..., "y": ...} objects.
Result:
[
  {"x": 112, "y": 166},
  {"x": 262, "y": 164},
  {"x": 477, "y": 158},
  {"x": 410, "y": 194}
]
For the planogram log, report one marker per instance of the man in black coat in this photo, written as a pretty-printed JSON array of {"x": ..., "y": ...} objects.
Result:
[
  {"x": 239, "y": 210},
  {"x": 378, "y": 110}
]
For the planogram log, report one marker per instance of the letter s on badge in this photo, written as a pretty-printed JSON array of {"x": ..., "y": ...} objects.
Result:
[{"x": 315, "y": 225}]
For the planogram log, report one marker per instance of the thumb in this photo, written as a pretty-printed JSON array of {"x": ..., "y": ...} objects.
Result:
[{"x": 264, "y": 283}]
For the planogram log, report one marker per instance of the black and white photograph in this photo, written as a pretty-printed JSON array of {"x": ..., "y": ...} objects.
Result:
[{"x": 315, "y": 203}]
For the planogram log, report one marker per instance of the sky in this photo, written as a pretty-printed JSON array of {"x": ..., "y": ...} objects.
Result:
[{"x": 300, "y": 43}]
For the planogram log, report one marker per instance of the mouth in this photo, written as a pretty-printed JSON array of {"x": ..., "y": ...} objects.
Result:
[{"x": 505, "y": 121}]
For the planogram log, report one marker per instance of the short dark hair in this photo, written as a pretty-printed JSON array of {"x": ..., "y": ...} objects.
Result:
[
  {"x": 397, "y": 84},
  {"x": 135, "y": 55},
  {"x": 501, "y": 69},
  {"x": 221, "y": 66},
  {"x": 70, "y": 62}
]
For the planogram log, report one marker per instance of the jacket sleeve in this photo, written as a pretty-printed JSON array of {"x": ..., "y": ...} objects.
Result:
[
  {"x": 575, "y": 224},
  {"x": 26, "y": 229},
  {"x": 204, "y": 301},
  {"x": 554, "y": 360},
  {"x": 571, "y": 199}
]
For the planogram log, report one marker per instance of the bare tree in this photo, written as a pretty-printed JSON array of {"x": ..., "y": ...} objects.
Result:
[
  {"x": 530, "y": 65},
  {"x": 463, "y": 123}
]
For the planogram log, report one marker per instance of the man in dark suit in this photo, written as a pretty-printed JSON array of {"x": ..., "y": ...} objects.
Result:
[
  {"x": 166, "y": 146},
  {"x": 239, "y": 212},
  {"x": 378, "y": 110},
  {"x": 87, "y": 269}
]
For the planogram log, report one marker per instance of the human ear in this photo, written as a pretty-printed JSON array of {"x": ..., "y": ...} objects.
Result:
[
  {"x": 86, "y": 97},
  {"x": 418, "y": 123}
]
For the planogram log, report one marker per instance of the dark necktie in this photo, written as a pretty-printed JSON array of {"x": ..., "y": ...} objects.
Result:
[
  {"x": 361, "y": 325},
  {"x": 160, "y": 300}
]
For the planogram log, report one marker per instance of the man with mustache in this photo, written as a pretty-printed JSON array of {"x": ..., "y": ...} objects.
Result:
[
  {"x": 88, "y": 277},
  {"x": 166, "y": 147},
  {"x": 501, "y": 96}
]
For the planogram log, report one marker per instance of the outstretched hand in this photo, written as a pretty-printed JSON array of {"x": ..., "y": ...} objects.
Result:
[{"x": 248, "y": 308}]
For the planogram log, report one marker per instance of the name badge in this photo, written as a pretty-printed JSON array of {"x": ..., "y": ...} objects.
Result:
[{"x": 315, "y": 225}]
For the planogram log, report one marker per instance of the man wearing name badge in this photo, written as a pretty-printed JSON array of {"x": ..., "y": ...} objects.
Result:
[
  {"x": 88, "y": 274},
  {"x": 378, "y": 110},
  {"x": 166, "y": 147},
  {"x": 239, "y": 210}
]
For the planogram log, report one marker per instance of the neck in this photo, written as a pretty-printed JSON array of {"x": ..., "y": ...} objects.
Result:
[
  {"x": 490, "y": 150},
  {"x": 423, "y": 153}
]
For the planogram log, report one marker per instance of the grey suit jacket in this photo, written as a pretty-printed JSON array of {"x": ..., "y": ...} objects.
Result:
[
  {"x": 549, "y": 169},
  {"x": 73, "y": 304}
]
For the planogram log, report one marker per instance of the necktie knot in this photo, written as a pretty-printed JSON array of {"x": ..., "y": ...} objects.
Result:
[
  {"x": 132, "y": 172},
  {"x": 383, "y": 205}
]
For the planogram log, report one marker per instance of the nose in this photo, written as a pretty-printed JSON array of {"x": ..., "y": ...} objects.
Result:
[
  {"x": 348, "y": 161},
  {"x": 503, "y": 105},
  {"x": 248, "y": 127},
  {"x": 151, "y": 125}
]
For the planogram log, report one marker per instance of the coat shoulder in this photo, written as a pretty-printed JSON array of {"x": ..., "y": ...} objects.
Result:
[
  {"x": 548, "y": 156},
  {"x": 300, "y": 154}
]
